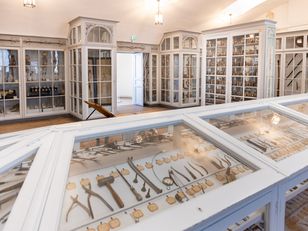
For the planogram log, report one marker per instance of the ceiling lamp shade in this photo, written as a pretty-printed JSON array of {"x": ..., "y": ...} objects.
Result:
[
  {"x": 159, "y": 19},
  {"x": 29, "y": 3}
]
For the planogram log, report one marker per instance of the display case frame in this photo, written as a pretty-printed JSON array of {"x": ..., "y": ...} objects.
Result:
[{"x": 53, "y": 207}]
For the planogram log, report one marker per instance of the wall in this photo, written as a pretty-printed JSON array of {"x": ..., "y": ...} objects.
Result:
[{"x": 125, "y": 76}]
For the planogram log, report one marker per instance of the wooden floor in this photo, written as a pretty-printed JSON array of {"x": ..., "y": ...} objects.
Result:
[{"x": 14, "y": 126}]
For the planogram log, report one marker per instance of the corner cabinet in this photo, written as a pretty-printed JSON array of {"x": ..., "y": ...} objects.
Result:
[
  {"x": 238, "y": 63},
  {"x": 179, "y": 69},
  {"x": 92, "y": 48}
]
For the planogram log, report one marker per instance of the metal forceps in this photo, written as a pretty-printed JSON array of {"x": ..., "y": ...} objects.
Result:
[
  {"x": 76, "y": 202},
  {"x": 92, "y": 193}
]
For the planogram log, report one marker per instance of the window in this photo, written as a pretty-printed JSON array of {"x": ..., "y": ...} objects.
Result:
[{"x": 99, "y": 34}]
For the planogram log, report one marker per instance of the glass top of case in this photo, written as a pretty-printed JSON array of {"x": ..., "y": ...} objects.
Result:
[
  {"x": 118, "y": 180},
  {"x": 268, "y": 132},
  {"x": 11, "y": 182},
  {"x": 300, "y": 107}
]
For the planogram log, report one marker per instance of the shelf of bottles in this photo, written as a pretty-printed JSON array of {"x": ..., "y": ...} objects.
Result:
[
  {"x": 189, "y": 78},
  {"x": 99, "y": 77},
  {"x": 245, "y": 67},
  {"x": 216, "y": 68},
  {"x": 165, "y": 78},
  {"x": 9, "y": 83},
  {"x": 293, "y": 73},
  {"x": 76, "y": 81},
  {"x": 45, "y": 81}
]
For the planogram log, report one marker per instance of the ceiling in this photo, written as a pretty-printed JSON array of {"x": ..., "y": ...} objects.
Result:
[{"x": 135, "y": 17}]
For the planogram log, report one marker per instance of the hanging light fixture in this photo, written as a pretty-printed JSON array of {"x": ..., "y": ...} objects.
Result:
[
  {"x": 29, "y": 3},
  {"x": 159, "y": 19}
]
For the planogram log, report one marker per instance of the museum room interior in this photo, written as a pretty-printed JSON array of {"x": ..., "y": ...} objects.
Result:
[{"x": 195, "y": 111}]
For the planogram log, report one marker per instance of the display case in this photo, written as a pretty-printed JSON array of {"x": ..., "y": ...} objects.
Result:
[
  {"x": 45, "y": 81},
  {"x": 231, "y": 167},
  {"x": 179, "y": 69},
  {"x": 133, "y": 174},
  {"x": 92, "y": 48},
  {"x": 238, "y": 62},
  {"x": 9, "y": 83},
  {"x": 32, "y": 76},
  {"x": 292, "y": 49}
]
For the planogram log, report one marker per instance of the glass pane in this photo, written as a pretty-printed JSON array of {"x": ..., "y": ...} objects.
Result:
[
  {"x": 176, "y": 163},
  {"x": 168, "y": 43},
  {"x": 289, "y": 42},
  {"x": 266, "y": 131},
  {"x": 299, "y": 42},
  {"x": 59, "y": 103},
  {"x": 11, "y": 184},
  {"x": 176, "y": 42},
  {"x": 278, "y": 43}
]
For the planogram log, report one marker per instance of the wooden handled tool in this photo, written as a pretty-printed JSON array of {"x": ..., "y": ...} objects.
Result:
[{"x": 107, "y": 182}]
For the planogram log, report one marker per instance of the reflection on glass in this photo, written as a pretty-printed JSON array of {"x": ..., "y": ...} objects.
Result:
[
  {"x": 266, "y": 131},
  {"x": 11, "y": 184},
  {"x": 177, "y": 163}
]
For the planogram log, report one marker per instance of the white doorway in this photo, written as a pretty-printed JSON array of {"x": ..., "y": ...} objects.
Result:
[{"x": 129, "y": 79}]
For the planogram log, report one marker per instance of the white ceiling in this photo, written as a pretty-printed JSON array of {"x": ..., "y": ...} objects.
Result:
[{"x": 50, "y": 17}]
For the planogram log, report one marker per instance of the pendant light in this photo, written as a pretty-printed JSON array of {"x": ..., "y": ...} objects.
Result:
[
  {"x": 29, "y": 3},
  {"x": 159, "y": 19}
]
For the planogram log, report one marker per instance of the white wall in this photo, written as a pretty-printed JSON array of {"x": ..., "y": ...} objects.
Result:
[{"x": 125, "y": 72}]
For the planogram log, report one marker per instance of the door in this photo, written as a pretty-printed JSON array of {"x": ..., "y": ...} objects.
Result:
[{"x": 138, "y": 80}]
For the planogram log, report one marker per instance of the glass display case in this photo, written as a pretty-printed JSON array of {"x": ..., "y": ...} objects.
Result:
[
  {"x": 216, "y": 75},
  {"x": 9, "y": 83},
  {"x": 247, "y": 172},
  {"x": 180, "y": 69},
  {"x": 268, "y": 132},
  {"x": 135, "y": 174},
  {"x": 232, "y": 68},
  {"x": 92, "y": 70},
  {"x": 45, "y": 81}
]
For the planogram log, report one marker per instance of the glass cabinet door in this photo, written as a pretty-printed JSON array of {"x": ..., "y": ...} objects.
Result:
[
  {"x": 189, "y": 79},
  {"x": 146, "y": 77},
  {"x": 45, "y": 80},
  {"x": 99, "y": 77},
  {"x": 154, "y": 77},
  {"x": 216, "y": 63},
  {"x": 9, "y": 83},
  {"x": 176, "y": 76},
  {"x": 245, "y": 67},
  {"x": 165, "y": 78},
  {"x": 121, "y": 179},
  {"x": 293, "y": 73}
]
